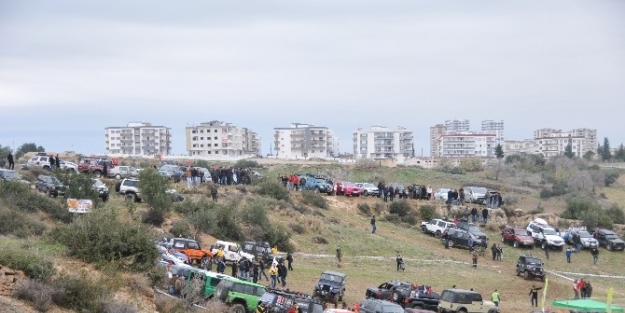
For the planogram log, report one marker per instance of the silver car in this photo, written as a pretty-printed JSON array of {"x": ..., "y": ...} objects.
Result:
[{"x": 368, "y": 189}]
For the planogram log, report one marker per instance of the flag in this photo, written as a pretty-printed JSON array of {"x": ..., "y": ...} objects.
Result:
[
  {"x": 545, "y": 292},
  {"x": 609, "y": 302}
]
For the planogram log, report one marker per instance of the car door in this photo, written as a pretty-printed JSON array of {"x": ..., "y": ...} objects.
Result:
[{"x": 477, "y": 305}]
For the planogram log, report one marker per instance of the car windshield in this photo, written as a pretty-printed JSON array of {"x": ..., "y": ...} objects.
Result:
[
  {"x": 330, "y": 277},
  {"x": 549, "y": 231},
  {"x": 479, "y": 190},
  {"x": 474, "y": 229},
  {"x": 520, "y": 232},
  {"x": 584, "y": 234},
  {"x": 8, "y": 175},
  {"x": 392, "y": 309},
  {"x": 533, "y": 261},
  {"x": 611, "y": 236},
  {"x": 98, "y": 183},
  {"x": 368, "y": 185}
]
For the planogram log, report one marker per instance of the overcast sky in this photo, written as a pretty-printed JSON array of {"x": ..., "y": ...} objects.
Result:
[{"x": 68, "y": 69}]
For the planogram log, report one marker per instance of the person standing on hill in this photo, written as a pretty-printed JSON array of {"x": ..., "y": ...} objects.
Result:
[
  {"x": 485, "y": 215},
  {"x": 595, "y": 255},
  {"x": 568, "y": 253},
  {"x": 289, "y": 260},
  {"x": 474, "y": 257},
  {"x": 534, "y": 294},
  {"x": 373, "y": 225},
  {"x": 214, "y": 192},
  {"x": 57, "y": 162},
  {"x": 496, "y": 298},
  {"x": 11, "y": 160},
  {"x": 339, "y": 256}
]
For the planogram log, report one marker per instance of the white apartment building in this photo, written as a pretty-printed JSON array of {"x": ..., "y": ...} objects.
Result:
[
  {"x": 304, "y": 141},
  {"x": 381, "y": 142},
  {"x": 435, "y": 132},
  {"x": 138, "y": 138},
  {"x": 552, "y": 142},
  {"x": 467, "y": 145},
  {"x": 219, "y": 140},
  {"x": 457, "y": 126},
  {"x": 494, "y": 127}
]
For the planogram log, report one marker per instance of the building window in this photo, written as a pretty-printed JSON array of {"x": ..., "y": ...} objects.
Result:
[
  {"x": 215, "y": 132},
  {"x": 215, "y": 137},
  {"x": 201, "y": 138},
  {"x": 216, "y": 152},
  {"x": 208, "y": 152}
]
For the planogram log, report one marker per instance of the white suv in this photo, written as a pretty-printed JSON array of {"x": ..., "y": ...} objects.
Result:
[
  {"x": 544, "y": 235},
  {"x": 129, "y": 187},
  {"x": 39, "y": 161},
  {"x": 436, "y": 226}
]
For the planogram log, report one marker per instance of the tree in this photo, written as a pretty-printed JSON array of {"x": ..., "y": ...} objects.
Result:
[
  {"x": 28, "y": 147},
  {"x": 589, "y": 155},
  {"x": 4, "y": 152},
  {"x": 620, "y": 154},
  {"x": 154, "y": 188},
  {"x": 499, "y": 151},
  {"x": 568, "y": 151},
  {"x": 606, "y": 154}
]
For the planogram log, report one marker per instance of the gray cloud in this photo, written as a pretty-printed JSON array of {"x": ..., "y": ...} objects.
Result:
[{"x": 343, "y": 65}]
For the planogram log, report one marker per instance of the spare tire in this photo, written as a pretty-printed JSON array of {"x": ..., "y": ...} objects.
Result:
[
  {"x": 118, "y": 186},
  {"x": 221, "y": 293}
]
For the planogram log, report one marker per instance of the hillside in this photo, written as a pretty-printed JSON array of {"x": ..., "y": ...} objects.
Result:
[{"x": 310, "y": 224}]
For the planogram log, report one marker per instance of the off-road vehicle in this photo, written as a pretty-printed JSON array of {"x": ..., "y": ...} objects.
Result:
[
  {"x": 262, "y": 251},
  {"x": 516, "y": 236},
  {"x": 393, "y": 290},
  {"x": 210, "y": 279},
  {"x": 531, "y": 267},
  {"x": 460, "y": 239},
  {"x": 464, "y": 301},
  {"x": 473, "y": 229},
  {"x": 280, "y": 301},
  {"x": 380, "y": 306},
  {"x": 609, "y": 240},
  {"x": 242, "y": 296},
  {"x": 330, "y": 287},
  {"x": 192, "y": 250},
  {"x": 101, "y": 189},
  {"x": 129, "y": 188},
  {"x": 50, "y": 185},
  {"x": 436, "y": 226}
]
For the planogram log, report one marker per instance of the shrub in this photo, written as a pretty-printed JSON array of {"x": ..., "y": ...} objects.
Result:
[
  {"x": 364, "y": 208},
  {"x": 593, "y": 219},
  {"x": 378, "y": 208},
  {"x": 33, "y": 263},
  {"x": 320, "y": 240},
  {"x": 511, "y": 199},
  {"x": 80, "y": 292},
  {"x": 220, "y": 222},
  {"x": 102, "y": 236},
  {"x": 610, "y": 178},
  {"x": 539, "y": 209},
  {"x": 154, "y": 188},
  {"x": 297, "y": 228},
  {"x": 576, "y": 205},
  {"x": 246, "y": 164},
  {"x": 79, "y": 186},
  {"x": 616, "y": 214},
  {"x": 302, "y": 209},
  {"x": 274, "y": 190},
  {"x": 427, "y": 212},
  {"x": 36, "y": 292},
  {"x": 393, "y": 218},
  {"x": 400, "y": 208},
  {"x": 18, "y": 196},
  {"x": 409, "y": 219},
  {"x": 19, "y": 224},
  {"x": 314, "y": 199},
  {"x": 180, "y": 228},
  {"x": 189, "y": 207}
]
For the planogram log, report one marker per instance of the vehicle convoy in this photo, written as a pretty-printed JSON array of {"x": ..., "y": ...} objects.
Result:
[
  {"x": 517, "y": 237},
  {"x": 95, "y": 166},
  {"x": 318, "y": 185},
  {"x": 191, "y": 249},
  {"x": 436, "y": 226},
  {"x": 242, "y": 296},
  {"x": 232, "y": 251},
  {"x": 464, "y": 301},
  {"x": 530, "y": 267},
  {"x": 280, "y": 301},
  {"x": 609, "y": 240},
  {"x": 330, "y": 287},
  {"x": 544, "y": 235}
]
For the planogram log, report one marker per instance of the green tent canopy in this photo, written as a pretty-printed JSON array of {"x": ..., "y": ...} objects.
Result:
[{"x": 585, "y": 305}]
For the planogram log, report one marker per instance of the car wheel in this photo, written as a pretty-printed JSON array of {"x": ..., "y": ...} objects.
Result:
[
  {"x": 118, "y": 176},
  {"x": 131, "y": 197},
  {"x": 438, "y": 234},
  {"x": 424, "y": 230},
  {"x": 609, "y": 247},
  {"x": 515, "y": 244},
  {"x": 526, "y": 276},
  {"x": 237, "y": 308},
  {"x": 48, "y": 193},
  {"x": 366, "y": 193},
  {"x": 316, "y": 190},
  {"x": 396, "y": 297},
  {"x": 462, "y": 311},
  {"x": 221, "y": 293},
  {"x": 543, "y": 245},
  {"x": 451, "y": 243},
  {"x": 104, "y": 199},
  {"x": 492, "y": 311},
  {"x": 517, "y": 271}
]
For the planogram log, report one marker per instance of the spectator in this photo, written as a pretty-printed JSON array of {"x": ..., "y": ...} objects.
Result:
[
  {"x": 255, "y": 272},
  {"x": 474, "y": 257},
  {"x": 11, "y": 160},
  {"x": 399, "y": 260},
  {"x": 273, "y": 272},
  {"x": 595, "y": 255},
  {"x": 496, "y": 298},
  {"x": 57, "y": 161},
  {"x": 53, "y": 163},
  {"x": 568, "y": 253},
  {"x": 282, "y": 272},
  {"x": 221, "y": 266},
  {"x": 485, "y": 215},
  {"x": 429, "y": 193},
  {"x": 474, "y": 215},
  {"x": 546, "y": 248},
  {"x": 261, "y": 268},
  {"x": 373, "y": 225},
  {"x": 450, "y": 196},
  {"x": 470, "y": 243},
  {"x": 235, "y": 269},
  {"x": 493, "y": 249},
  {"x": 213, "y": 189},
  {"x": 534, "y": 294},
  {"x": 461, "y": 196},
  {"x": 339, "y": 256},
  {"x": 289, "y": 260},
  {"x": 576, "y": 289}
]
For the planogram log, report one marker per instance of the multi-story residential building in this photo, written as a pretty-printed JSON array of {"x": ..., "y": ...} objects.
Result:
[
  {"x": 466, "y": 145},
  {"x": 435, "y": 132},
  {"x": 494, "y": 127},
  {"x": 303, "y": 141},
  {"x": 527, "y": 146},
  {"x": 138, "y": 138},
  {"x": 457, "y": 126},
  {"x": 552, "y": 142},
  {"x": 220, "y": 140},
  {"x": 381, "y": 142}
]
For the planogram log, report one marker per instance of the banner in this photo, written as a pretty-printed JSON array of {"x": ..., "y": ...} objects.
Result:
[
  {"x": 545, "y": 292},
  {"x": 609, "y": 301},
  {"x": 79, "y": 205}
]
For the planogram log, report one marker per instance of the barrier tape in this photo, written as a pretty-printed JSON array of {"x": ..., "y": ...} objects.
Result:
[
  {"x": 590, "y": 275},
  {"x": 557, "y": 274},
  {"x": 381, "y": 258}
]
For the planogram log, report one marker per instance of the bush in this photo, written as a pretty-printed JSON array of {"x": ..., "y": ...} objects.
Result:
[
  {"x": 189, "y": 207},
  {"x": 320, "y": 240},
  {"x": 219, "y": 222},
  {"x": 180, "y": 228},
  {"x": 539, "y": 209},
  {"x": 20, "y": 197},
  {"x": 409, "y": 219},
  {"x": 576, "y": 205},
  {"x": 37, "y": 293},
  {"x": 19, "y": 224},
  {"x": 79, "y": 186},
  {"x": 400, "y": 208},
  {"x": 314, "y": 199},
  {"x": 364, "y": 208},
  {"x": 274, "y": 190},
  {"x": 427, "y": 212},
  {"x": 102, "y": 236},
  {"x": 610, "y": 178},
  {"x": 33, "y": 263},
  {"x": 246, "y": 164},
  {"x": 81, "y": 292},
  {"x": 393, "y": 218},
  {"x": 297, "y": 228},
  {"x": 616, "y": 214},
  {"x": 511, "y": 199},
  {"x": 154, "y": 188}
]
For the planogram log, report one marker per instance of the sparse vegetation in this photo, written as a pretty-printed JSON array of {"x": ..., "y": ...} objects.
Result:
[
  {"x": 427, "y": 212},
  {"x": 33, "y": 263},
  {"x": 364, "y": 208},
  {"x": 154, "y": 188},
  {"x": 274, "y": 190},
  {"x": 246, "y": 164},
  {"x": 314, "y": 199},
  {"x": 400, "y": 208}
]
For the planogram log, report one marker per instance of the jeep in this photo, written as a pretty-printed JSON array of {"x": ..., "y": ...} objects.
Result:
[
  {"x": 395, "y": 290},
  {"x": 464, "y": 301},
  {"x": 531, "y": 267},
  {"x": 191, "y": 249},
  {"x": 280, "y": 301},
  {"x": 609, "y": 240},
  {"x": 330, "y": 287},
  {"x": 210, "y": 279},
  {"x": 436, "y": 226},
  {"x": 318, "y": 185},
  {"x": 129, "y": 188},
  {"x": 95, "y": 166},
  {"x": 50, "y": 185},
  {"x": 242, "y": 296},
  {"x": 460, "y": 238}
]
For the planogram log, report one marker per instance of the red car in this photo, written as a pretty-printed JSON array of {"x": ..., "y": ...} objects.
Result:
[
  {"x": 517, "y": 236},
  {"x": 348, "y": 189}
]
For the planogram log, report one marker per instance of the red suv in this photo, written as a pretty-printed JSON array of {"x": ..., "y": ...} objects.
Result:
[
  {"x": 348, "y": 189},
  {"x": 517, "y": 236}
]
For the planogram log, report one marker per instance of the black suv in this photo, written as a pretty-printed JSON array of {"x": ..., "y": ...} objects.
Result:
[
  {"x": 609, "y": 240},
  {"x": 331, "y": 287},
  {"x": 379, "y": 306},
  {"x": 280, "y": 301},
  {"x": 460, "y": 238},
  {"x": 473, "y": 229},
  {"x": 50, "y": 185},
  {"x": 531, "y": 267}
]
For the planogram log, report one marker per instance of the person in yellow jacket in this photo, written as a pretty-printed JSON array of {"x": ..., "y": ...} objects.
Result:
[
  {"x": 273, "y": 272},
  {"x": 220, "y": 253},
  {"x": 496, "y": 298},
  {"x": 274, "y": 250}
]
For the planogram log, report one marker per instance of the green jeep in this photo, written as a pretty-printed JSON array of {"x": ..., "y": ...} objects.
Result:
[
  {"x": 242, "y": 296},
  {"x": 211, "y": 280}
]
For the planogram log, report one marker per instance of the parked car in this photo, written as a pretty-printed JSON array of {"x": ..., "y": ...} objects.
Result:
[
  {"x": 191, "y": 248},
  {"x": 347, "y": 189},
  {"x": 587, "y": 241},
  {"x": 368, "y": 189},
  {"x": 475, "y": 194},
  {"x": 317, "y": 185},
  {"x": 460, "y": 238},
  {"x": 232, "y": 251},
  {"x": 609, "y": 240},
  {"x": 100, "y": 187},
  {"x": 206, "y": 174},
  {"x": 50, "y": 185},
  {"x": 242, "y": 296},
  {"x": 459, "y": 300},
  {"x": 441, "y": 194},
  {"x": 123, "y": 171},
  {"x": 544, "y": 235},
  {"x": 473, "y": 229},
  {"x": 517, "y": 237},
  {"x": 275, "y": 300},
  {"x": 129, "y": 188},
  {"x": 530, "y": 267},
  {"x": 95, "y": 166},
  {"x": 41, "y": 161},
  {"x": 379, "y": 306},
  {"x": 172, "y": 172},
  {"x": 436, "y": 226},
  {"x": 330, "y": 287},
  {"x": 389, "y": 290},
  {"x": 421, "y": 298},
  {"x": 262, "y": 251},
  {"x": 11, "y": 175},
  {"x": 66, "y": 165}
]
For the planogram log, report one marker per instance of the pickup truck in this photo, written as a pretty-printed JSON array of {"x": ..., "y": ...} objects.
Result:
[
  {"x": 421, "y": 298},
  {"x": 394, "y": 291},
  {"x": 436, "y": 226},
  {"x": 94, "y": 166}
]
